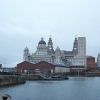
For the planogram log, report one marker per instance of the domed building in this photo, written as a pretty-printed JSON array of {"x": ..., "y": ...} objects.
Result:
[
  {"x": 46, "y": 52},
  {"x": 43, "y": 53}
]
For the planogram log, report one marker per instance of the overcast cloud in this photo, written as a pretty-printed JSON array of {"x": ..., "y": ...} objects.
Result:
[{"x": 24, "y": 22}]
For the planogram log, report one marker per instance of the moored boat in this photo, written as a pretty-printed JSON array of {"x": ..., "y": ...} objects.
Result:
[
  {"x": 5, "y": 97},
  {"x": 57, "y": 78}
]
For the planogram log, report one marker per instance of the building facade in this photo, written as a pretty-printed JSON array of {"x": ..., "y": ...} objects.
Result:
[
  {"x": 42, "y": 67},
  {"x": 45, "y": 52},
  {"x": 91, "y": 64},
  {"x": 79, "y": 52},
  {"x": 0, "y": 67},
  {"x": 30, "y": 68},
  {"x": 98, "y": 61}
]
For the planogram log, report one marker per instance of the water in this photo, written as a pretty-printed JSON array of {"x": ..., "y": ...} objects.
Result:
[{"x": 83, "y": 88}]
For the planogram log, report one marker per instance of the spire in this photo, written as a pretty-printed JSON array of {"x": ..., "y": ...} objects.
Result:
[
  {"x": 41, "y": 38},
  {"x": 50, "y": 40},
  {"x": 75, "y": 44},
  {"x": 26, "y": 49}
]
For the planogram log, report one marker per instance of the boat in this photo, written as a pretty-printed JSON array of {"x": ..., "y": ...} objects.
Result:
[
  {"x": 56, "y": 78},
  {"x": 59, "y": 77},
  {"x": 5, "y": 97}
]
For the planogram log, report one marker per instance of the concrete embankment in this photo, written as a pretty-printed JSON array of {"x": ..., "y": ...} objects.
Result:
[
  {"x": 8, "y": 80},
  {"x": 32, "y": 77}
]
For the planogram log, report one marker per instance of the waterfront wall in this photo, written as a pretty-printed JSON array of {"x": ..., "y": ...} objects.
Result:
[
  {"x": 32, "y": 77},
  {"x": 8, "y": 80}
]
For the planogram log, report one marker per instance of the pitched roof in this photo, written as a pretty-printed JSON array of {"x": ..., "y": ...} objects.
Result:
[{"x": 25, "y": 62}]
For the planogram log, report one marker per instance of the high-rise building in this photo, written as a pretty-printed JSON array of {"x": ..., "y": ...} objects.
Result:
[{"x": 79, "y": 52}]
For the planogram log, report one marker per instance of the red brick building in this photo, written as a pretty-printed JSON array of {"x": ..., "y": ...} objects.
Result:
[
  {"x": 91, "y": 64},
  {"x": 27, "y": 67},
  {"x": 24, "y": 66}
]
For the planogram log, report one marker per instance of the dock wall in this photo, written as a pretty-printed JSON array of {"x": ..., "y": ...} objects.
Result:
[{"x": 8, "y": 80}]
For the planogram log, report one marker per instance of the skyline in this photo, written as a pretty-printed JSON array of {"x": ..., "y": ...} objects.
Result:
[{"x": 23, "y": 23}]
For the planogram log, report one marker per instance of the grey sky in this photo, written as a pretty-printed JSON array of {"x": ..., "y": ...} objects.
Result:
[{"x": 24, "y": 22}]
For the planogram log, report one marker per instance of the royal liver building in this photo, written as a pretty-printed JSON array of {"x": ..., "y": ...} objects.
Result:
[{"x": 46, "y": 52}]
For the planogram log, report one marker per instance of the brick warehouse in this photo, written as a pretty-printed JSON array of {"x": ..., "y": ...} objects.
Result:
[
  {"x": 30, "y": 68},
  {"x": 91, "y": 64}
]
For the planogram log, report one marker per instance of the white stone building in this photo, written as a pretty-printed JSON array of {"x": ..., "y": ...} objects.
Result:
[
  {"x": 46, "y": 52},
  {"x": 60, "y": 69},
  {"x": 98, "y": 61},
  {"x": 79, "y": 51},
  {"x": 43, "y": 53}
]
